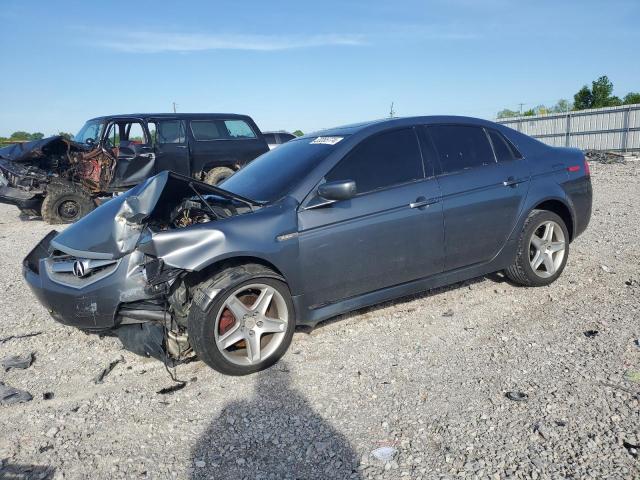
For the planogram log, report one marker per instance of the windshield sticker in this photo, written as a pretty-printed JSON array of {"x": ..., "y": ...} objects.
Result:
[{"x": 326, "y": 140}]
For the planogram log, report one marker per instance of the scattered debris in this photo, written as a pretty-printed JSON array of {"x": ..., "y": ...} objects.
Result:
[
  {"x": 634, "y": 450},
  {"x": 47, "y": 395},
  {"x": 632, "y": 282},
  {"x": 448, "y": 313},
  {"x": 561, "y": 423},
  {"x": 10, "y": 395},
  {"x": 384, "y": 454},
  {"x": 604, "y": 157},
  {"x": 517, "y": 396},
  {"x": 106, "y": 371},
  {"x": 19, "y": 471},
  {"x": 17, "y": 361},
  {"x": 591, "y": 333},
  {"x": 200, "y": 463},
  {"x": 172, "y": 388},
  {"x": 636, "y": 342},
  {"x": 18, "y": 337}
]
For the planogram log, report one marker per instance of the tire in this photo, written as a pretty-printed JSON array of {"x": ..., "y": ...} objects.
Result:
[
  {"x": 65, "y": 203},
  {"x": 208, "y": 332},
  {"x": 534, "y": 250},
  {"x": 217, "y": 175}
]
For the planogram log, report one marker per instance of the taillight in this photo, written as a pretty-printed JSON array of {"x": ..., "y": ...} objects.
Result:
[{"x": 587, "y": 170}]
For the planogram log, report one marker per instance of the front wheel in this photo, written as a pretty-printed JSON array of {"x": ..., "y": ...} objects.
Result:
[
  {"x": 65, "y": 203},
  {"x": 217, "y": 175},
  {"x": 543, "y": 250},
  {"x": 248, "y": 325}
]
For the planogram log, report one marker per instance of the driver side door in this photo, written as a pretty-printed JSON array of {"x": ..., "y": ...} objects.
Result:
[
  {"x": 391, "y": 232},
  {"x": 134, "y": 152}
]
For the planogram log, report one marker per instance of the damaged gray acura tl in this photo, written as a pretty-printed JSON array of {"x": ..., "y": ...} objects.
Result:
[{"x": 322, "y": 225}]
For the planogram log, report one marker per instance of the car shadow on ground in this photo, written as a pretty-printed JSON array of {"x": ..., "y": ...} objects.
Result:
[
  {"x": 497, "y": 277},
  {"x": 276, "y": 434}
]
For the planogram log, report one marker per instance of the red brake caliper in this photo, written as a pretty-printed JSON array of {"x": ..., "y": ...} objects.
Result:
[{"x": 227, "y": 320}]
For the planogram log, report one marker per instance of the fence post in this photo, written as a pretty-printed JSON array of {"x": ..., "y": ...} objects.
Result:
[
  {"x": 567, "y": 140},
  {"x": 625, "y": 129}
]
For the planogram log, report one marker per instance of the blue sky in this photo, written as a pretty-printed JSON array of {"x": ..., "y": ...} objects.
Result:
[{"x": 306, "y": 65}]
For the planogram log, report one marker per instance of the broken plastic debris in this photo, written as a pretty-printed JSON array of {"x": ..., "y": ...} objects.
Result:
[
  {"x": 17, "y": 361},
  {"x": 634, "y": 450},
  {"x": 10, "y": 395},
  {"x": 591, "y": 333},
  {"x": 106, "y": 371},
  {"x": 448, "y": 313},
  {"x": 517, "y": 396},
  {"x": 384, "y": 454},
  {"x": 172, "y": 388}
]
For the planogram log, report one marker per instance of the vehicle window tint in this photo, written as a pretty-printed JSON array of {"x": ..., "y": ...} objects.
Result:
[
  {"x": 170, "y": 131},
  {"x": 504, "y": 151},
  {"x": 206, "y": 130},
  {"x": 239, "y": 129},
  {"x": 270, "y": 137},
  {"x": 460, "y": 147},
  {"x": 285, "y": 137},
  {"x": 387, "y": 159}
]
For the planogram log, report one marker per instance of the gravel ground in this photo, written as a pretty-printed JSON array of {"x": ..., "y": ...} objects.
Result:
[{"x": 426, "y": 375}]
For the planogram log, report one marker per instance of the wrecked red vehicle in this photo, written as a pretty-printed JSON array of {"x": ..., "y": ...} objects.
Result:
[{"x": 63, "y": 180}]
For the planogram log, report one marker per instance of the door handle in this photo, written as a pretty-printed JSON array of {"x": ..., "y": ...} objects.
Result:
[
  {"x": 422, "y": 202},
  {"x": 181, "y": 146},
  {"x": 511, "y": 182}
]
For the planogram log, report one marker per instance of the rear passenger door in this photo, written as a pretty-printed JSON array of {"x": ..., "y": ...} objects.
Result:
[
  {"x": 388, "y": 234},
  {"x": 170, "y": 145},
  {"x": 223, "y": 143},
  {"x": 482, "y": 198}
]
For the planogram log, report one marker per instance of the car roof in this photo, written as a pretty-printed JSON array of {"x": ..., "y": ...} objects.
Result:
[
  {"x": 383, "y": 123},
  {"x": 203, "y": 116}
]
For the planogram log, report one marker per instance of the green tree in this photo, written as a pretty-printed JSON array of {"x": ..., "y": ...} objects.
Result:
[
  {"x": 529, "y": 113},
  {"x": 583, "y": 99},
  {"x": 562, "y": 106},
  {"x": 298, "y": 133},
  {"x": 20, "y": 136},
  {"x": 631, "y": 97},
  {"x": 66, "y": 135},
  {"x": 37, "y": 136},
  {"x": 506, "y": 113}
]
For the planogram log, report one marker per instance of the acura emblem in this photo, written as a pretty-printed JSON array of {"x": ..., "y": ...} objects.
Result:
[{"x": 79, "y": 269}]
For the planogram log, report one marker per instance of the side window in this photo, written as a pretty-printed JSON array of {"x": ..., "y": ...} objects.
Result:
[
  {"x": 504, "y": 150},
  {"x": 134, "y": 133},
  {"x": 269, "y": 137},
  {"x": 239, "y": 129},
  {"x": 112, "y": 137},
  {"x": 285, "y": 137},
  {"x": 204, "y": 130},
  {"x": 461, "y": 147},
  {"x": 381, "y": 161},
  {"x": 169, "y": 131}
]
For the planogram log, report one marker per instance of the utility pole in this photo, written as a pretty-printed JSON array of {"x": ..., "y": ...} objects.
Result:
[
  {"x": 392, "y": 112},
  {"x": 521, "y": 104},
  {"x": 174, "y": 106}
]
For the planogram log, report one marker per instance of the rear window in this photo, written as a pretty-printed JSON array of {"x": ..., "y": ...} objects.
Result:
[
  {"x": 270, "y": 137},
  {"x": 504, "y": 150},
  {"x": 461, "y": 147},
  {"x": 208, "y": 130}
]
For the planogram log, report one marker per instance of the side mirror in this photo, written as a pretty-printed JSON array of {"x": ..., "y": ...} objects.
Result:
[
  {"x": 338, "y": 190},
  {"x": 90, "y": 141}
]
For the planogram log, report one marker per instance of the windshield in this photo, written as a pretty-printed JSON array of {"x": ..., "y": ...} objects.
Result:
[
  {"x": 91, "y": 130},
  {"x": 273, "y": 175}
]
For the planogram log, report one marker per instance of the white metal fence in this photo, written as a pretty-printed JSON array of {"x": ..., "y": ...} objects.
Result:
[{"x": 610, "y": 128}]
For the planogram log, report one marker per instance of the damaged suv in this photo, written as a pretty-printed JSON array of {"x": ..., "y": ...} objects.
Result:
[
  {"x": 355, "y": 216},
  {"x": 62, "y": 180}
]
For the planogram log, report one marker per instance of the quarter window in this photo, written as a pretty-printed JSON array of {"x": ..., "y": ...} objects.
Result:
[
  {"x": 384, "y": 160},
  {"x": 461, "y": 147},
  {"x": 207, "y": 130},
  {"x": 167, "y": 131},
  {"x": 504, "y": 150}
]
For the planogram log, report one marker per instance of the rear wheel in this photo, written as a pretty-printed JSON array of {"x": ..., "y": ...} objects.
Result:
[
  {"x": 249, "y": 324},
  {"x": 65, "y": 203},
  {"x": 543, "y": 250},
  {"x": 217, "y": 175}
]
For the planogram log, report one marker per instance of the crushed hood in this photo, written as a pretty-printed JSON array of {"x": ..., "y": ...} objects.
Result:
[
  {"x": 114, "y": 229},
  {"x": 29, "y": 151}
]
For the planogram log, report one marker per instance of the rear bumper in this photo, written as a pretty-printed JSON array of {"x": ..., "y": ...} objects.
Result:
[
  {"x": 580, "y": 192},
  {"x": 92, "y": 307}
]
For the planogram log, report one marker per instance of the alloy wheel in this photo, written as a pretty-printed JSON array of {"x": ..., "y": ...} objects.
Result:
[
  {"x": 547, "y": 249},
  {"x": 251, "y": 324}
]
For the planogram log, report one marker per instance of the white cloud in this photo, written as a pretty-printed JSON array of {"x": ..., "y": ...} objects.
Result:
[{"x": 157, "y": 42}]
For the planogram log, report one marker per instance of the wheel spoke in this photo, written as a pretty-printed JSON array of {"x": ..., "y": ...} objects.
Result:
[
  {"x": 537, "y": 260},
  {"x": 264, "y": 300},
  {"x": 231, "y": 337},
  {"x": 273, "y": 325},
  {"x": 238, "y": 308},
  {"x": 556, "y": 247},
  {"x": 548, "y": 232},
  {"x": 253, "y": 347},
  {"x": 536, "y": 241},
  {"x": 548, "y": 263}
]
